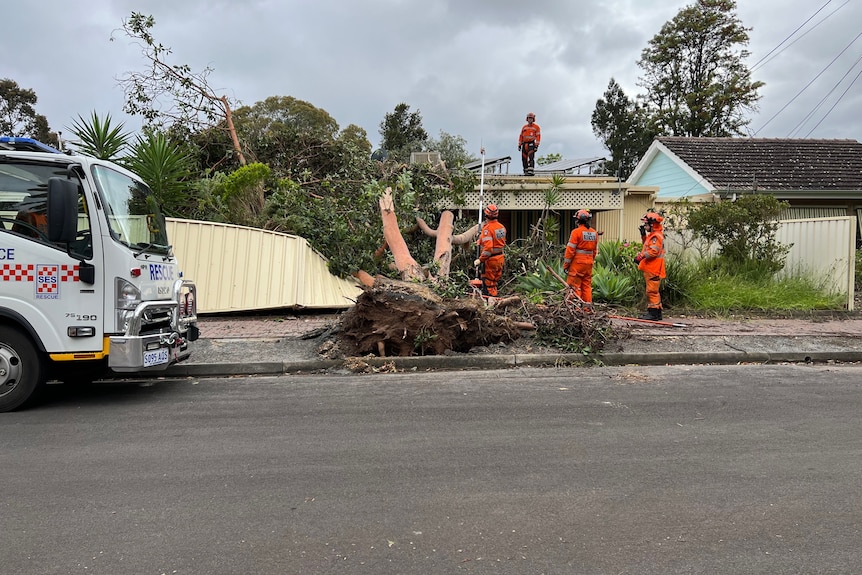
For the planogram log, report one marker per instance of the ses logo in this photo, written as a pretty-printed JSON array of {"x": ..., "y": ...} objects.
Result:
[
  {"x": 161, "y": 272},
  {"x": 48, "y": 281}
]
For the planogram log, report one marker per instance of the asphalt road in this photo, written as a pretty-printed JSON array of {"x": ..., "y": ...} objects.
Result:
[{"x": 631, "y": 470}]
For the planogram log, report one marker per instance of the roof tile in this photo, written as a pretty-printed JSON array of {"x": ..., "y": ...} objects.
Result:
[{"x": 771, "y": 163}]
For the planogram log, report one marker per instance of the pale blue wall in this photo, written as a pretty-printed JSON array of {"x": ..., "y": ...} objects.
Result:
[{"x": 671, "y": 180}]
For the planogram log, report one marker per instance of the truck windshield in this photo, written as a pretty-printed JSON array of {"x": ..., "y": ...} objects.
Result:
[{"x": 134, "y": 215}]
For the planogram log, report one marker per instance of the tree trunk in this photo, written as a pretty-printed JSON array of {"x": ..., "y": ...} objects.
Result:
[
  {"x": 446, "y": 239},
  {"x": 404, "y": 262},
  {"x": 232, "y": 131}
]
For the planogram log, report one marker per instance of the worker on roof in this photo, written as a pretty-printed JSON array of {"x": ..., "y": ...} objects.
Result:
[{"x": 528, "y": 143}]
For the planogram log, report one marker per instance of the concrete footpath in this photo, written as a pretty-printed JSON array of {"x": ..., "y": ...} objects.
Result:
[{"x": 290, "y": 343}]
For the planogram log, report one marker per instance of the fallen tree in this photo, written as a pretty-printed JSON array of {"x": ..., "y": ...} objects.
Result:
[
  {"x": 398, "y": 318},
  {"x": 408, "y": 268}
]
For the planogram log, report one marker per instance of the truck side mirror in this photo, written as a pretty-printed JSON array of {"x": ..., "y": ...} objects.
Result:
[{"x": 62, "y": 210}]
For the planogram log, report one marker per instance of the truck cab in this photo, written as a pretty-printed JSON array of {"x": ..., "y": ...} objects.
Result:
[{"x": 88, "y": 280}]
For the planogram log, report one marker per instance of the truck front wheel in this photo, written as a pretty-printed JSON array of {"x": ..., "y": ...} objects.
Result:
[{"x": 21, "y": 369}]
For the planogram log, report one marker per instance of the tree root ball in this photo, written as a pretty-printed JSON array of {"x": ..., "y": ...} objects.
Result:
[{"x": 394, "y": 318}]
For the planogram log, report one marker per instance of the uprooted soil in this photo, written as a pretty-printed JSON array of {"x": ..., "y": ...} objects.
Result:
[{"x": 402, "y": 319}]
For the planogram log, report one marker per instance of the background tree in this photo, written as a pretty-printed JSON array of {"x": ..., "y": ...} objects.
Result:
[
  {"x": 695, "y": 79},
  {"x": 171, "y": 95},
  {"x": 18, "y": 115},
  {"x": 402, "y": 133},
  {"x": 453, "y": 149},
  {"x": 623, "y": 128}
]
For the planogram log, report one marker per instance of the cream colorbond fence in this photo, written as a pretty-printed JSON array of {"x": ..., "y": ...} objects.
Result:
[
  {"x": 824, "y": 248},
  {"x": 236, "y": 268}
]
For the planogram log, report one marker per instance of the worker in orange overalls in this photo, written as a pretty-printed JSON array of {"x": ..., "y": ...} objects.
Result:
[
  {"x": 528, "y": 143},
  {"x": 650, "y": 261},
  {"x": 491, "y": 241},
  {"x": 579, "y": 257}
]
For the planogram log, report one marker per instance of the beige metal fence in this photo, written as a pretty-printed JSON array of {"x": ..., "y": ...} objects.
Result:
[
  {"x": 237, "y": 268},
  {"x": 823, "y": 248}
]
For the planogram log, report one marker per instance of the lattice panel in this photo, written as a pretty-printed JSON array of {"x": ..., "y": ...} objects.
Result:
[{"x": 535, "y": 199}]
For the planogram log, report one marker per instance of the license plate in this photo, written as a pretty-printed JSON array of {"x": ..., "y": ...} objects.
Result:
[{"x": 156, "y": 357}]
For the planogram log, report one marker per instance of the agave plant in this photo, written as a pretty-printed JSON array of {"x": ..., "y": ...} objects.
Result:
[
  {"x": 611, "y": 287},
  {"x": 98, "y": 138},
  {"x": 540, "y": 281},
  {"x": 164, "y": 167}
]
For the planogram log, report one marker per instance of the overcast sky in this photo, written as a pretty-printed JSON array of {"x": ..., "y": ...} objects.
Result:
[{"x": 472, "y": 68}]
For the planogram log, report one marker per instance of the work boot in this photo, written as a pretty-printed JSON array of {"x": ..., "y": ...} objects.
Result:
[{"x": 652, "y": 314}]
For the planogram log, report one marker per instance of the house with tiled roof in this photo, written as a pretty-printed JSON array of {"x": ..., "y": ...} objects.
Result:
[{"x": 818, "y": 178}]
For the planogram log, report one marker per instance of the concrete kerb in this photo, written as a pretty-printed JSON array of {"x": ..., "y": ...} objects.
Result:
[{"x": 500, "y": 361}]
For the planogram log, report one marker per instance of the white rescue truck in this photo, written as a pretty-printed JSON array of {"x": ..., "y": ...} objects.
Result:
[{"x": 88, "y": 279}]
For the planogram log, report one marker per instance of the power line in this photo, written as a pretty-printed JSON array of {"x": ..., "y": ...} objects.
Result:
[
  {"x": 820, "y": 103},
  {"x": 809, "y": 83},
  {"x": 835, "y": 104},
  {"x": 764, "y": 60}
]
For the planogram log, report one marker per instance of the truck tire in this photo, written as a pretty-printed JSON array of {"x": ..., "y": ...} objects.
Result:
[{"x": 21, "y": 370}]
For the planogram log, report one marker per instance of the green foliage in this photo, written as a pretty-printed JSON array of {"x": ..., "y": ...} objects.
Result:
[
  {"x": 859, "y": 269},
  {"x": 549, "y": 159},
  {"x": 616, "y": 278},
  {"x": 540, "y": 280},
  {"x": 617, "y": 256},
  {"x": 98, "y": 138},
  {"x": 624, "y": 129},
  {"x": 424, "y": 338},
  {"x": 208, "y": 196},
  {"x": 682, "y": 277},
  {"x": 18, "y": 115},
  {"x": 724, "y": 291},
  {"x": 744, "y": 230},
  {"x": 693, "y": 72},
  {"x": 609, "y": 286},
  {"x": 243, "y": 193},
  {"x": 455, "y": 285},
  {"x": 453, "y": 149},
  {"x": 402, "y": 133},
  {"x": 164, "y": 167}
]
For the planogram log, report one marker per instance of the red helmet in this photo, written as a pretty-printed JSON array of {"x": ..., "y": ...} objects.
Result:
[
  {"x": 491, "y": 211},
  {"x": 531, "y": 115},
  {"x": 583, "y": 215}
]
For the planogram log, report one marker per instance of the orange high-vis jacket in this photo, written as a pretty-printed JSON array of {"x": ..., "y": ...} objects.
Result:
[
  {"x": 530, "y": 133},
  {"x": 653, "y": 252},
  {"x": 492, "y": 240},
  {"x": 582, "y": 246}
]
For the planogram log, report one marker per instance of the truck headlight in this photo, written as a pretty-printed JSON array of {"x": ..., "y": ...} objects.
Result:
[{"x": 128, "y": 296}]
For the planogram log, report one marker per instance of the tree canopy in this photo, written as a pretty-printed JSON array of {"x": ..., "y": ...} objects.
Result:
[
  {"x": 695, "y": 79},
  {"x": 624, "y": 129},
  {"x": 402, "y": 132},
  {"x": 18, "y": 115}
]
